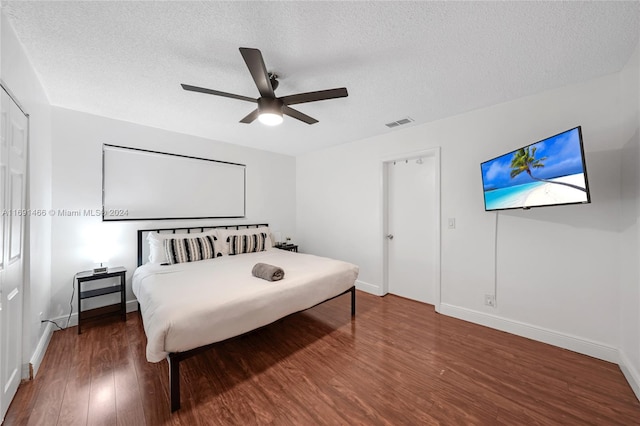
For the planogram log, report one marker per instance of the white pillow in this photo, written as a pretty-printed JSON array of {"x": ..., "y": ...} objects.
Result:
[
  {"x": 223, "y": 234},
  {"x": 157, "y": 253}
]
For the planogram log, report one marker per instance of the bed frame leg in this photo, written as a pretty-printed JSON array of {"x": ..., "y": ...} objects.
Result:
[
  {"x": 353, "y": 301},
  {"x": 174, "y": 381}
]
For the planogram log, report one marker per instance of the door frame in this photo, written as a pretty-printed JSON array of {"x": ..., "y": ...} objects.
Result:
[
  {"x": 414, "y": 155},
  {"x": 24, "y": 370}
]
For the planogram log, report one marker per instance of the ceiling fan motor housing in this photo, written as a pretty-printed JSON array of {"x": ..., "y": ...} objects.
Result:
[{"x": 270, "y": 105}]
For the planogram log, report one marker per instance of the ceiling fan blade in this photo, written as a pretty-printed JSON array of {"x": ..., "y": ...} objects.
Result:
[
  {"x": 298, "y": 115},
  {"x": 217, "y": 93},
  {"x": 252, "y": 116},
  {"x": 320, "y": 95},
  {"x": 255, "y": 63}
]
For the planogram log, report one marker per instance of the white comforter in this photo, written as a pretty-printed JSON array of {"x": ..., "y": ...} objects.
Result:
[{"x": 188, "y": 305}]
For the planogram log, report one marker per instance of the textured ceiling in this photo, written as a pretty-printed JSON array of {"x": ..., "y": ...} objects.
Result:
[{"x": 425, "y": 60}]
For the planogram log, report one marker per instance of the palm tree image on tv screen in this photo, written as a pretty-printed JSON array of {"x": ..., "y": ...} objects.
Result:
[{"x": 545, "y": 173}]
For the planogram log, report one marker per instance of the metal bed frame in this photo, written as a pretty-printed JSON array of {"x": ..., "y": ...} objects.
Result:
[{"x": 174, "y": 358}]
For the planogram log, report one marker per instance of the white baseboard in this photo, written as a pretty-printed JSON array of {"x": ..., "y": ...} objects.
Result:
[
  {"x": 41, "y": 349},
  {"x": 630, "y": 373},
  {"x": 369, "y": 288},
  {"x": 130, "y": 306},
  {"x": 562, "y": 340}
]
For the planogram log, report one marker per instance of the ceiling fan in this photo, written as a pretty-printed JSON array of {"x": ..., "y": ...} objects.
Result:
[{"x": 270, "y": 108}]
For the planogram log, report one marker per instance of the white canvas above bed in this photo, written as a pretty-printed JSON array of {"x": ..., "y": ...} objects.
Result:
[{"x": 143, "y": 184}]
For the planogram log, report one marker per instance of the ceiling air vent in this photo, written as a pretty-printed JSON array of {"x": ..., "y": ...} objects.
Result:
[{"x": 399, "y": 122}]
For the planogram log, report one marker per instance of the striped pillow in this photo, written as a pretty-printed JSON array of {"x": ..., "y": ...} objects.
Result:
[
  {"x": 181, "y": 250},
  {"x": 251, "y": 243}
]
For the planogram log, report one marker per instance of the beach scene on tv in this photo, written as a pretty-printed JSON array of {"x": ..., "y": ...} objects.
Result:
[{"x": 545, "y": 173}]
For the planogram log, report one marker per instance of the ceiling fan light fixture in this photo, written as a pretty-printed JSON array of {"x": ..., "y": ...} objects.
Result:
[
  {"x": 270, "y": 118},
  {"x": 270, "y": 111}
]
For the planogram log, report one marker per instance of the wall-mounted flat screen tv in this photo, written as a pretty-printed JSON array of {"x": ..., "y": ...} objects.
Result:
[{"x": 549, "y": 172}]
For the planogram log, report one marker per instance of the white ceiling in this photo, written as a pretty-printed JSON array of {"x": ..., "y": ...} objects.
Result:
[{"x": 425, "y": 60}]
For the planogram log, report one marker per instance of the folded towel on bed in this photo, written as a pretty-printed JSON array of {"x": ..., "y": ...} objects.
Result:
[{"x": 267, "y": 272}]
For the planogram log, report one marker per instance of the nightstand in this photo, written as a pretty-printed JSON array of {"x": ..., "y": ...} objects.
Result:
[
  {"x": 289, "y": 247},
  {"x": 117, "y": 308}
]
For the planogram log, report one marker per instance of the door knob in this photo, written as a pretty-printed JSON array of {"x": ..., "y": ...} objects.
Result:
[{"x": 390, "y": 236}]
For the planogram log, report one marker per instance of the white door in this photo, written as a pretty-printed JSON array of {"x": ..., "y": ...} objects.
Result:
[
  {"x": 412, "y": 229},
  {"x": 13, "y": 153}
]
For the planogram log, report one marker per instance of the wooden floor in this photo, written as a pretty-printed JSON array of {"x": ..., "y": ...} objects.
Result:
[{"x": 396, "y": 363}]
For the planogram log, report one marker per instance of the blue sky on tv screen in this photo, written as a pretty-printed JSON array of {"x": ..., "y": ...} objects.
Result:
[{"x": 563, "y": 157}]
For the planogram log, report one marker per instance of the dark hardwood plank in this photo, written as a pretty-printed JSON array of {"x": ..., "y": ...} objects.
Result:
[
  {"x": 128, "y": 400},
  {"x": 75, "y": 403},
  {"x": 396, "y": 362},
  {"x": 102, "y": 389},
  {"x": 54, "y": 374},
  {"x": 152, "y": 377},
  {"x": 25, "y": 399}
]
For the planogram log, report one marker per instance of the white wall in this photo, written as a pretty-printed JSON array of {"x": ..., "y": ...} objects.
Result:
[
  {"x": 557, "y": 266},
  {"x": 77, "y": 184},
  {"x": 21, "y": 79},
  {"x": 629, "y": 226}
]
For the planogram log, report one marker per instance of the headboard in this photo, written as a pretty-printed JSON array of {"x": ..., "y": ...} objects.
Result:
[{"x": 143, "y": 247}]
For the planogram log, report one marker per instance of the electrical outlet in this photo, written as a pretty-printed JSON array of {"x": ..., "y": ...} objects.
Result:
[{"x": 490, "y": 300}]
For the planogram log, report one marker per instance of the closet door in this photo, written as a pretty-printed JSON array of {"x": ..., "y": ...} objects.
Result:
[
  {"x": 412, "y": 244},
  {"x": 13, "y": 165}
]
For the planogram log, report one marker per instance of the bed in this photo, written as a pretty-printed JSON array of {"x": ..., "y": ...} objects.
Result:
[{"x": 190, "y": 305}]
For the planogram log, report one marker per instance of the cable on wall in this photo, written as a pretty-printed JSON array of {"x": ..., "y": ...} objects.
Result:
[
  {"x": 73, "y": 292},
  {"x": 495, "y": 264},
  {"x": 54, "y": 323}
]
